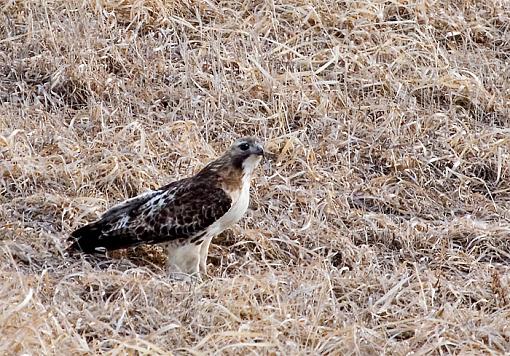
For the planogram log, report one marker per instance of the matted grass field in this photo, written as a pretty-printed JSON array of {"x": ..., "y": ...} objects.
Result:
[{"x": 379, "y": 225}]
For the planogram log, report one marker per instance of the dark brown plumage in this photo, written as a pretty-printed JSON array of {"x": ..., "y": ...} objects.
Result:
[{"x": 178, "y": 211}]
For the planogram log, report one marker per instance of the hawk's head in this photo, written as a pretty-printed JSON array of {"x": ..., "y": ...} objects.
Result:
[{"x": 245, "y": 154}]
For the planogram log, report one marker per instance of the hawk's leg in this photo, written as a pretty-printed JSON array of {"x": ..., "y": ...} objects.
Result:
[
  {"x": 183, "y": 259},
  {"x": 204, "y": 250}
]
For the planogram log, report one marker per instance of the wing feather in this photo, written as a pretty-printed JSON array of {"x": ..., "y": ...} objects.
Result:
[
  {"x": 179, "y": 210},
  {"x": 185, "y": 212}
]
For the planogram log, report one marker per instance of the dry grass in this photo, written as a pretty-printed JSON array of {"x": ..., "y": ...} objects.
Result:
[{"x": 381, "y": 225}]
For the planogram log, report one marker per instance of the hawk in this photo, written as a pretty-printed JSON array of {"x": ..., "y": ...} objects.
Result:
[{"x": 185, "y": 215}]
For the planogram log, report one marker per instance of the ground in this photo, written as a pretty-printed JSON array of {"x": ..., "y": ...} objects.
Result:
[{"x": 379, "y": 223}]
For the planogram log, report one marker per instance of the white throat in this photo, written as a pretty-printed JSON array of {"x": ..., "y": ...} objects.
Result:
[{"x": 250, "y": 164}]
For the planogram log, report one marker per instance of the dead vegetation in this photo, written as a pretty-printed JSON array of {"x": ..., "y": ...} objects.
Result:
[{"x": 380, "y": 225}]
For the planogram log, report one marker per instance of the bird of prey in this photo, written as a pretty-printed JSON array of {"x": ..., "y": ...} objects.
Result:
[{"x": 184, "y": 215}]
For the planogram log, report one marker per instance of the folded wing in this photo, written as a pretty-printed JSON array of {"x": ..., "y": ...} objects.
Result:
[{"x": 179, "y": 210}]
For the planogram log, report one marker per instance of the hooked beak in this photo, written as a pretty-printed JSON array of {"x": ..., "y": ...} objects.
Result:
[{"x": 259, "y": 150}]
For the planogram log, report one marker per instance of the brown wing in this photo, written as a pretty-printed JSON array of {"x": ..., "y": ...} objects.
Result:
[
  {"x": 182, "y": 213},
  {"x": 179, "y": 210}
]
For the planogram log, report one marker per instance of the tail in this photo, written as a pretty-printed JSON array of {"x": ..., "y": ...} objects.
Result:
[
  {"x": 97, "y": 238},
  {"x": 87, "y": 239}
]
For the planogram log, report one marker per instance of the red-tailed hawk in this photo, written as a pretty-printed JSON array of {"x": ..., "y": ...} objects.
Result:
[{"x": 185, "y": 215}]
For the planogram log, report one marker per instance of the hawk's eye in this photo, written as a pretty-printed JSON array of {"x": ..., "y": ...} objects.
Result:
[{"x": 244, "y": 146}]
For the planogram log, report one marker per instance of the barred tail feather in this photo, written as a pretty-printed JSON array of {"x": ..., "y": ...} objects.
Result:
[
  {"x": 92, "y": 238},
  {"x": 88, "y": 239}
]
